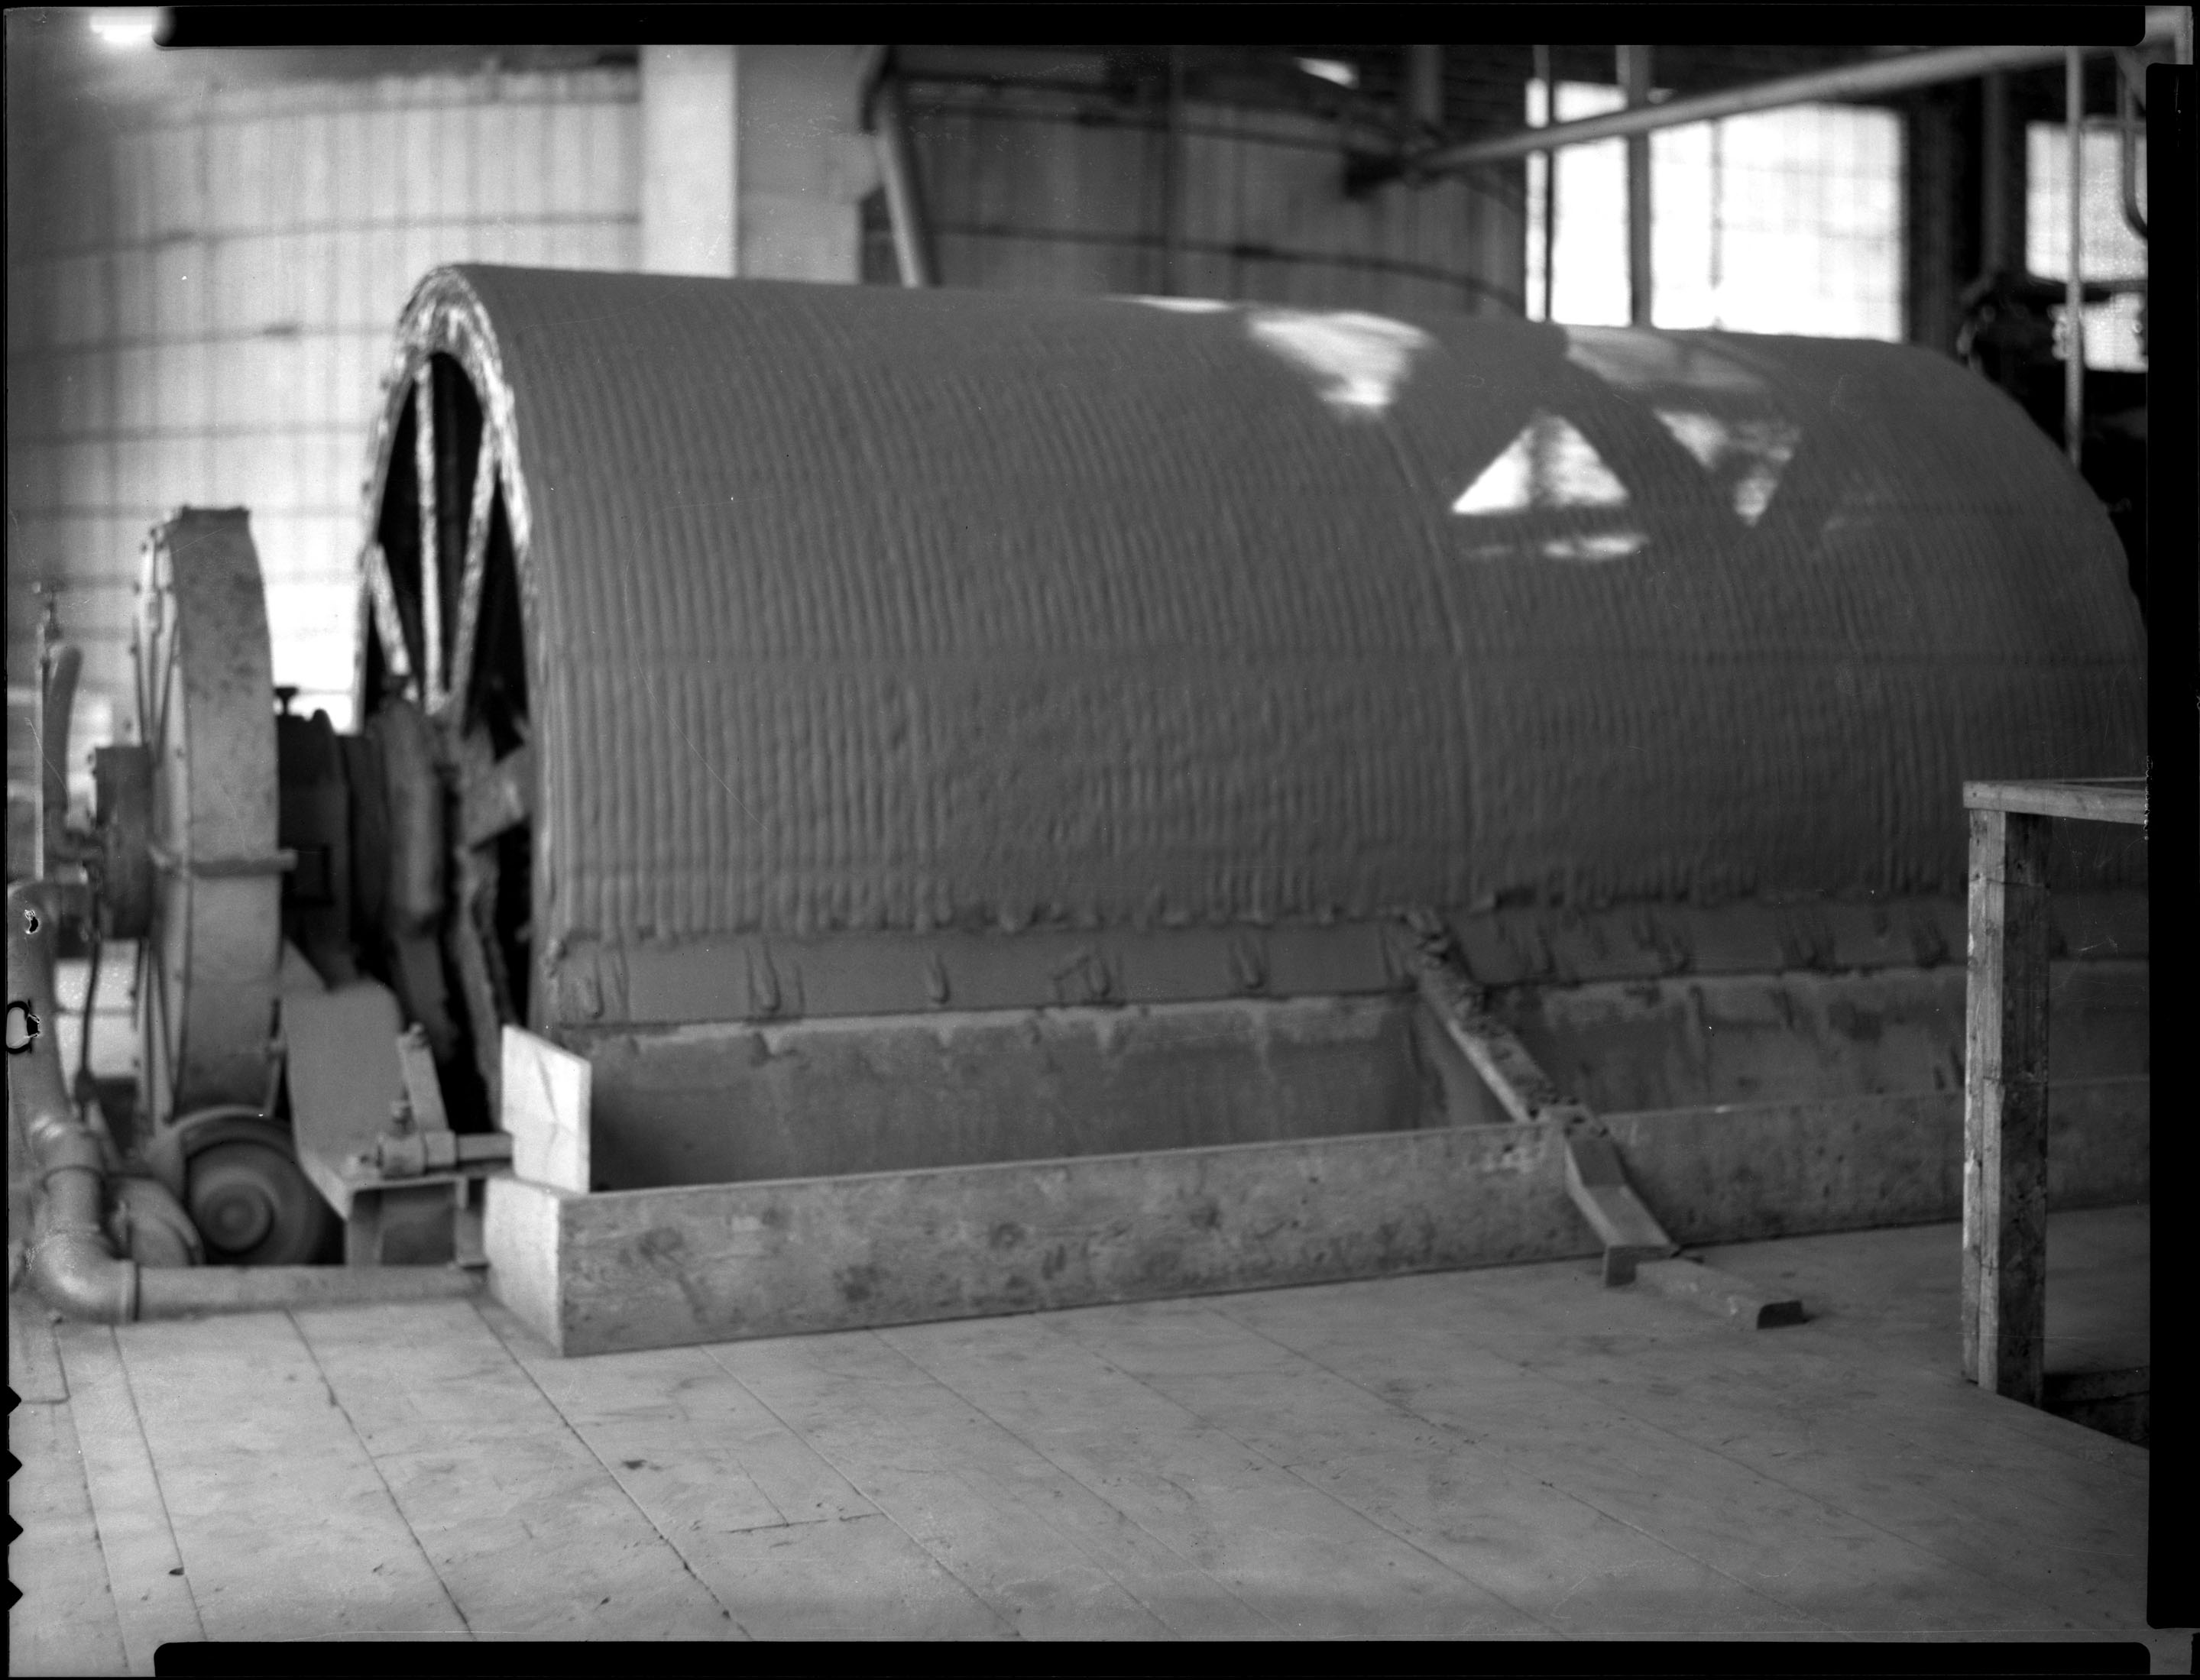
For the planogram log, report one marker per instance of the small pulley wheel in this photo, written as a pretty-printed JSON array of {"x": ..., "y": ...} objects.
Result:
[{"x": 252, "y": 1204}]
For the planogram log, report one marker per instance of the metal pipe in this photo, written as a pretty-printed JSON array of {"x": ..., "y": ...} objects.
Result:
[
  {"x": 1546, "y": 74},
  {"x": 2073, "y": 288},
  {"x": 177, "y": 1292},
  {"x": 72, "y": 1265},
  {"x": 2128, "y": 120},
  {"x": 1866, "y": 81},
  {"x": 898, "y": 175},
  {"x": 1634, "y": 71}
]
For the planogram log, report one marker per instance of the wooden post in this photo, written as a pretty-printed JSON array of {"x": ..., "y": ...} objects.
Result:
[{"x": 2005, "y": 1106}]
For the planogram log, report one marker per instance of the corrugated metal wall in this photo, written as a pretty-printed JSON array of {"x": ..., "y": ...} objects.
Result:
[{"x": 201, "y": 284}]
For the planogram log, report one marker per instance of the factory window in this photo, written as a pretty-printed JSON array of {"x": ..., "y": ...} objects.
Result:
[
  {"x": 2108, "y": 248},
  {"x": 1779, "y": 221}
]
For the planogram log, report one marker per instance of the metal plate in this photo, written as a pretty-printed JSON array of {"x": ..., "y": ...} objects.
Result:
[{"x": 208, "y": 969}]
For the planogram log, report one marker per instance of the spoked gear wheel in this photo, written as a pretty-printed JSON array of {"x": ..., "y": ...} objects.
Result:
[
  {"x": 210, "y": 957},
  {"x": 446, "y": 511}
]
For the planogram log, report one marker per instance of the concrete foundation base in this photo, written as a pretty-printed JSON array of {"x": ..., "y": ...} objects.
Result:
[{"x": 661, "y": 1267}]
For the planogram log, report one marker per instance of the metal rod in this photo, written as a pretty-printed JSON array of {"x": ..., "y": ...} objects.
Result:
[
  {"x": 1547, "y": 77},
  {"x": 1634, "y": 71},
  {"x": 1848, "y": 81},
  {"x": 2073, "y": 299}
]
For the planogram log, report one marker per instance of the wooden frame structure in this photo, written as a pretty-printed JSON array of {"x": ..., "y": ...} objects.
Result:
[{"x": 2004, "y": 1311}]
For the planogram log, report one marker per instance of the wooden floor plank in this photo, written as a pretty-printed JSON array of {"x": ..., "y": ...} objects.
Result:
[
  {"x": 758, "y": 1513},
  {"x": 1818, "y": 1560},
  {"x": 526, "y": 1528},
  {"x": 1899, "y": 1289},
  {"x": 65, "y": 1623},
  {"x": 1852, "y": 1399},
  {"x": 1507, "y": 1454},
  {"x": 856, "y": 1577},
  {"x": 1310, "y": 1564},
  {"x": 154, "y": 1603},
  {"x": 34, "y": 1367},
  {"x": 1052, "y": 1558},
  {"x": 1807, "y": 1416},
  {"x": 694, "y": 1449},
  {"x": 1539, "y": 1549},
  {"x": 1913, "y": 1454},
  {"x": 286, "y": 1530}
]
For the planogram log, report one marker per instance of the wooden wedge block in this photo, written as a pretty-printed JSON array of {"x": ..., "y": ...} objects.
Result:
[{"x": 1720, "y": 1293}]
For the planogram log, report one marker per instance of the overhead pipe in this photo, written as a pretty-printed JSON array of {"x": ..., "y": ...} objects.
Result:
[
  {"x": 1873, "y": 77},
  {"x": 72, "y": 1263}
]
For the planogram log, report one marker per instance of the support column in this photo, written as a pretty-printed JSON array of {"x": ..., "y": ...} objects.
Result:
[
  {"x": 806, "y": 164},
  {"x": 1939, "y": 250},
  {"x": 2004, "y": 1310},
  {"x": 690, "y": 115},
  {"x": 1634, "y": 81},
  {"x": 2001, "y": 150},
  {"x": 754, "y": 161}
]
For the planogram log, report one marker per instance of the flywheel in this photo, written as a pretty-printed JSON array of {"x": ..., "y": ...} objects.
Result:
[
  {"x": 210, "y": 954},
  {"x": 208, "y": 963}
]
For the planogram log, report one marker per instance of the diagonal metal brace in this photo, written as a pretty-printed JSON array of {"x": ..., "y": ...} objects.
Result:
[{"x": 1635, "y": 1247}]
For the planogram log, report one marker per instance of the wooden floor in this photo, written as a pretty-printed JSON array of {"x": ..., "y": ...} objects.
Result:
[{"x": 1514, "y": 1453}]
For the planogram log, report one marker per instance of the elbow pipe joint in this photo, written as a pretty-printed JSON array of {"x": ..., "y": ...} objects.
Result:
[
  {"x": 79, "y": 1276},
  {"x": 72, "y": 1265}
]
